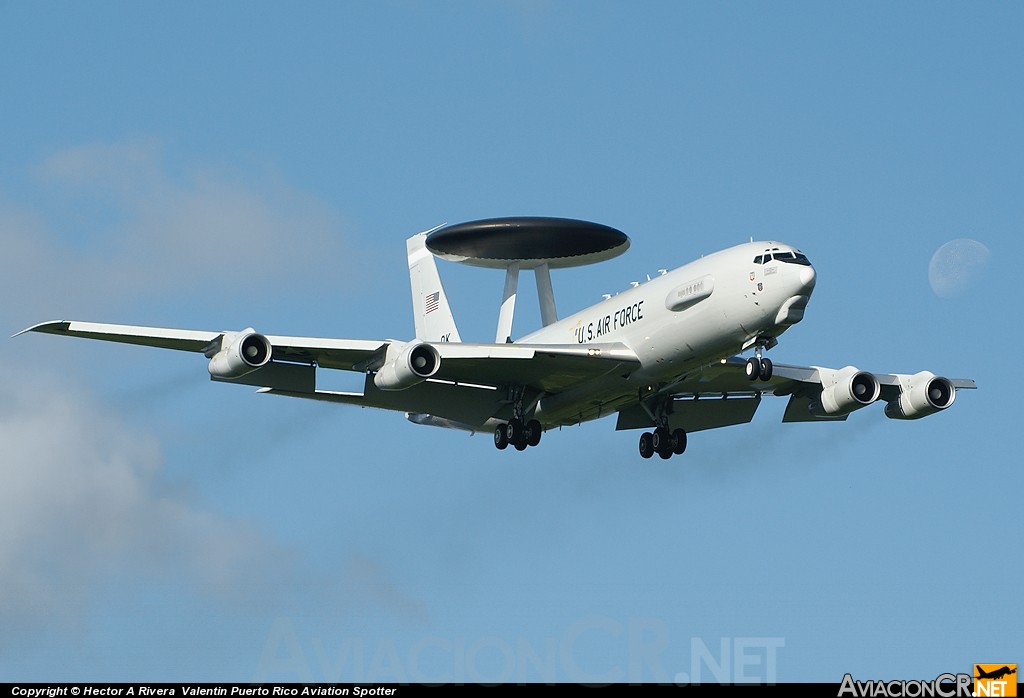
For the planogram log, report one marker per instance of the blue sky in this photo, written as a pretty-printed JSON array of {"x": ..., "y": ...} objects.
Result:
[{"x": 217, "y": 166}]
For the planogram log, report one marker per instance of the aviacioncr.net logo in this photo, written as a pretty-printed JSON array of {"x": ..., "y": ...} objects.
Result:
[{"x": 944, "y": 686}]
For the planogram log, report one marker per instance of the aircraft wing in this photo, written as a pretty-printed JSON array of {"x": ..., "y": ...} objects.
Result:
[
  {"x": 330, "y": 353},
  {"x": 721, "y": 395},
  {"x": 728, "y": 377},
  {"x": 544, "y": 368}
]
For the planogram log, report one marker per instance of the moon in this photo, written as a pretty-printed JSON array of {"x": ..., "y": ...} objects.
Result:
[{"x": 956, "y": 266}]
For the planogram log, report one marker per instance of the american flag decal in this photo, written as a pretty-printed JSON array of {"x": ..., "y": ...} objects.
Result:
[{"x": 432, "y": 301}]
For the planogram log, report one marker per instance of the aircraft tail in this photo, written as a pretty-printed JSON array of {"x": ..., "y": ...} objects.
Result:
[{"x": 430, "y": 309}]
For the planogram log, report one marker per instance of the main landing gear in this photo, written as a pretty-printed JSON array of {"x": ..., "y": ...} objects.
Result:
[
  {"x": 518, "y": 434},
  {"x": 663, "y": 442}
]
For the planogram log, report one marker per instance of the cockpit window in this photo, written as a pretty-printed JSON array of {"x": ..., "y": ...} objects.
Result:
[
  {"x": 758, "y": 259},
  {"x": 767, "y": 258},
  {"x": 793, "y": 258}
]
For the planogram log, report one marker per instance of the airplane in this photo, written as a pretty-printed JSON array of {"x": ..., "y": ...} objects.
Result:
[
  {"x": 996, "y": 674},
  {"x": 664, "y": 356}
]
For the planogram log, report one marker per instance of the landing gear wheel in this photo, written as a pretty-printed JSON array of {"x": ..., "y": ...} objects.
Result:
[
  {"x": 646, "y": 444},
  {"x": 766, "y": 370},
  {"x": 662, "y": 440},
  {"x": 521, "y": 444},
  {"x": 533, "y": 431},
  {"x": 753, "y": 368},
  {"x": 514, "y": 431},
  {"x": 678, "y": 442},
  {"x": 500, "y": 437}
]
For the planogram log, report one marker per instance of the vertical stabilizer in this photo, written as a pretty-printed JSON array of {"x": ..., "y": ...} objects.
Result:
[{"x": 430, "y": 310}]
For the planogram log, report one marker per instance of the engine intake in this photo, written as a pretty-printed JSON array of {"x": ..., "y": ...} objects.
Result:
[
  {"x": 407, "y": 365},
  {"x": 921, "y": 394},
  {"x": 244, "y": 353},
  {"x": 850, "y": 390}
]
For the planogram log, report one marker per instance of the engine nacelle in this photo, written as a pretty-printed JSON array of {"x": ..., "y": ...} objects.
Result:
[
  {"x": 849, "y": 390},
  {"x": 240, "y": 353},
  {"x": 921, "y": 394},
  {"x": 406, "y": 365}
]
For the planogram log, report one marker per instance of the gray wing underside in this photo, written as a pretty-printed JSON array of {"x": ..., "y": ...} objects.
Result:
[
  {"x": 727, "y": 377},
  {"x": 465, "y": 388},
  {"x": 721, "y": 395},
  {"x": 469, "y": 386}
]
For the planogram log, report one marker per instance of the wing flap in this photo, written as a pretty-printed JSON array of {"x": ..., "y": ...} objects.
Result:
[
  {"x": 343, "y": 354},
  {"x": 547, "y": 368},
  {"x": 465, "y": 404},
  {"x": 300, "y": 378},
  {"x": 695, "y": 414},
  {"x": 798, "y": 409}
]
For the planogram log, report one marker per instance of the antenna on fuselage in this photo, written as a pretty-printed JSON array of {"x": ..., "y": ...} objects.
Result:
[{"x": 518, "y": 243}]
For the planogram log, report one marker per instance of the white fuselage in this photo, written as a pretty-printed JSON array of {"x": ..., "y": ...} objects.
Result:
[{"x": 681, "y": 321}]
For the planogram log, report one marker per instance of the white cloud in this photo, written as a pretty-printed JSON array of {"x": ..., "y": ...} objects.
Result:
[
  {"x": 85, "y": 505},
  {"x": 82, "y": 504}
]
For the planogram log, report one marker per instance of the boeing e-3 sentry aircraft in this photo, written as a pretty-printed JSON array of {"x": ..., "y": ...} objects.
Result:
[{"x": 663, "y": 355}]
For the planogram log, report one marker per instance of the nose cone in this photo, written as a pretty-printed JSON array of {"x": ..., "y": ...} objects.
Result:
[
  {"x": 807, "y": 278},
  {"x": 792, "y": 309}
]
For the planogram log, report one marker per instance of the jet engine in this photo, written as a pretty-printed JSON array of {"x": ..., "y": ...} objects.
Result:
[
  {"x": 240, "y": 354},
  {"x": 406, "y": 365},
  {"x": 921, "y": 394},
  {"x": 850, "y": 390}
]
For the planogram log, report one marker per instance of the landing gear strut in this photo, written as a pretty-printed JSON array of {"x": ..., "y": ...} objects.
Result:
[{"x": 663, "y": 441}]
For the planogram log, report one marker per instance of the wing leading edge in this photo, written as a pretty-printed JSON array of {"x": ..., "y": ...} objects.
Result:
[{"x": 343, "y": 354}]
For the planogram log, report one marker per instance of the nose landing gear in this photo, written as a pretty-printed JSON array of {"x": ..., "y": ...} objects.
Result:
[{"x": 757, "y": 368}]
